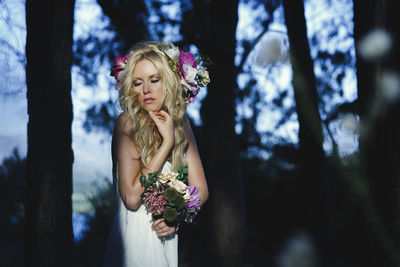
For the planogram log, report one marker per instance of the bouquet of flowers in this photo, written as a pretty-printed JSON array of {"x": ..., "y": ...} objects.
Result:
[{"x": 167, "y": 195}]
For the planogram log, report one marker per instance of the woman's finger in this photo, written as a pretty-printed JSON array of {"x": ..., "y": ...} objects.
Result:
[
  {"x": 157, "y": 117},
  {"x": 157, "y": 223},
  {"x": 162, "y": 113},
  {"x": 152, "y": 115},
  {"x": 163, "y": 231},
  {"x": 166, "y": 231},
  {"x": 156, "y": 120}
]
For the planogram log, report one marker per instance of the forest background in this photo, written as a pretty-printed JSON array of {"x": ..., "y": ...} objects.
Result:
[{"x": 297, "y": 131}]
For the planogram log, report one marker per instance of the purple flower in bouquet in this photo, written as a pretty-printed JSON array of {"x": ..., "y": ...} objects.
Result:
[
  {"x": 195, "y": 199},
  {"x": 193, "y": 204}
]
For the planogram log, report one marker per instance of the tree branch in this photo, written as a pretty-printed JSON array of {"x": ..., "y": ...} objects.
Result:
[{"x": 20, "y": 55}]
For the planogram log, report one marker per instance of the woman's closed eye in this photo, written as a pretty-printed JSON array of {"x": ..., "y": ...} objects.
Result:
[{"x": 136, "y": 84}]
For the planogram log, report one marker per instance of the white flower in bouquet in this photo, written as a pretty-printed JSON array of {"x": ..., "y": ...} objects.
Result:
[
  {"x": 186, "y": 196},
  {"x": 179, "y": 186},
  {"x": 166, "y": 176}
]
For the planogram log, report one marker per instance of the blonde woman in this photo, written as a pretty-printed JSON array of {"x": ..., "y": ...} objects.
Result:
[{"x": 156, "y": 81}]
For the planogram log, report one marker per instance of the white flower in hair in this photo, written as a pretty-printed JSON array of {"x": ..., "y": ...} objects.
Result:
[
  {"x": 203, "y": 75},
  {"x": 172, "y": 52},
  {"x": 188, "y": 87},
  {"x": 191, "y": 74}
]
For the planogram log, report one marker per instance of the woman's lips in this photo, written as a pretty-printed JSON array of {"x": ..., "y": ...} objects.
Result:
[{"x": 148, "y": 100}]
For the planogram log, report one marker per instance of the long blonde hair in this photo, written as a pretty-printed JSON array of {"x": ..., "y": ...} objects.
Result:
[{"x": 143, "y": 133}]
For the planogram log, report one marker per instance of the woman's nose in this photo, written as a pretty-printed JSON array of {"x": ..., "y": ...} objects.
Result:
[{"x": 146, "y": 88}]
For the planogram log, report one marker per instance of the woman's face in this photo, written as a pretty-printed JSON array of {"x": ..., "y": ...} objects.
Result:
[{"x": 147, "y": 83}]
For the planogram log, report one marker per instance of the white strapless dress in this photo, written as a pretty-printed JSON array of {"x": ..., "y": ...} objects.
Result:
[{"x": 133, "y": 243}]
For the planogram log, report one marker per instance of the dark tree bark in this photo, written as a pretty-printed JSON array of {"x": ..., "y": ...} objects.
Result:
[
  {"x": 48, "y": 228},
  {"x": 379, "y": 140},
  {"x": 312, "y": 162},
  {"x": 129, "y": 19},
  {"x": 215, "y": 36},
  {"x": 364, "y": 14}
]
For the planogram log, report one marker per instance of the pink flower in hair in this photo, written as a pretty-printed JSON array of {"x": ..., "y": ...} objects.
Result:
[
  {"x": 119, "y": 65},
  {"x": 187, "y": 67},
  {"x": 186, "y": 58}
]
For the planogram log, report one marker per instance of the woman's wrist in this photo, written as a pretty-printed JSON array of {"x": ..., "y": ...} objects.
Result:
[{"x": 168, "y": 143}]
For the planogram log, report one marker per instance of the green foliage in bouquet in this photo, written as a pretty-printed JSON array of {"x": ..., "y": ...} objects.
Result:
[
  {"x": 173, "y": 198},
  {"x": 170, "y": 194},
  {"x": 149, "y": 182},
  {"x": 183, "y": 174},
  {"x": 170, "y": 214},
  {"x": 179, "y": 202}
]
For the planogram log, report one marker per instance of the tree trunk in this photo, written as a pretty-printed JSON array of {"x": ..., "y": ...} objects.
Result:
[
  {"x": 310, "y": 135},
  {"x": 379, "y": 138},
  {"x": 48, "y": 228},
  {"x": 215, "y": 36},
  {"x": 128, "y": 19},
  {"x": 221, "y": 150}
]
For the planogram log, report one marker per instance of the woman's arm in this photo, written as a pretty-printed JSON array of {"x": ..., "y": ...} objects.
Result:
[
  {"x": 196, "y": 177},
  {"x": 196, "y": 172},
  {"x": 127, "y": 156}
]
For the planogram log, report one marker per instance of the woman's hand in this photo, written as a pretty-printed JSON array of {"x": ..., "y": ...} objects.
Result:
[
  {"x": 165, "y": 125},
  {"x": 162, "y": 229}
]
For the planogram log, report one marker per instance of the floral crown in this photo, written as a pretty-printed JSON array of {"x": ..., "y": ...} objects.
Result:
[{"x": 191, "y": 71}]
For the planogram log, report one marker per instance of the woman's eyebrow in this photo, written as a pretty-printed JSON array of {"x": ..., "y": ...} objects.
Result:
[
  {"x": 151, "y": 76},
  {"x": 154, "y": 75}
]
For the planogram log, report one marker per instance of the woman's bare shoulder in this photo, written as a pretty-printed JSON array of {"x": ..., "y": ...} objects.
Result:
[{"x": 123, "y": 124}]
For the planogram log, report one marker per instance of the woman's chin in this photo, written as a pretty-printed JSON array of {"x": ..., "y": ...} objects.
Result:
[{"x": 154, "y": 109}]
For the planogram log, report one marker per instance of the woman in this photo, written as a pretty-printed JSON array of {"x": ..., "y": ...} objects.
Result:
[{"x": 156, "y": 80}]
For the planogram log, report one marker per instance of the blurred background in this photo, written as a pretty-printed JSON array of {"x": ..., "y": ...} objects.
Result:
[{"x": 298, "y": 130}]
